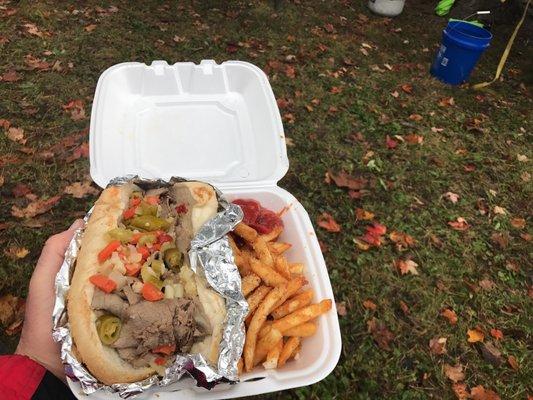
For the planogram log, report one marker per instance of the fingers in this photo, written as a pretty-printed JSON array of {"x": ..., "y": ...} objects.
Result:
[{"x": 54, "y": 249}]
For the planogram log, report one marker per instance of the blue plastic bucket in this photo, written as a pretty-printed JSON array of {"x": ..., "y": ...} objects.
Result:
[{"x": 462, "y": 45}]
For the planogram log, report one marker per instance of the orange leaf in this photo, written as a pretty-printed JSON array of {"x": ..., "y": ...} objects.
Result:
[
  {"x": 413, "y": 138},
  {"x": 406, "y": 266},
  {"x": 16, "y": 252},
  {"x": 437, "y": 345},
  {"x": 450, "y": 315},
  {"x": 460, "y": 224},
  {"x": 475, "y": 335},
  {"x": 416, "y": 117},
  {"x": 369, "y": 305},
  {"x": 407, "y": 88},
  {"x": 327, "y": 222},
  {"x": 446, "y": 102},
  {"x": 35, "y": 208},
  {"x": 518, "y": 223},
  {"x": 496, "y": 334},
  {"x": 480, "y": 393},
  {"x": 513, "y": 363},
  {"x": 364, "y": 215},
  {"x": 402, "y": 240},
  {"x": 460, "y": 391}
]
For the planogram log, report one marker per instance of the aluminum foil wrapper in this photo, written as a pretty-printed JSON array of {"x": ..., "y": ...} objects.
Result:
[{"x": 210, "y": 255}]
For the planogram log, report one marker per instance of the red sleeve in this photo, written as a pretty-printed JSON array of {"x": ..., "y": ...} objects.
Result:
[{"x": 19, "y": 377}]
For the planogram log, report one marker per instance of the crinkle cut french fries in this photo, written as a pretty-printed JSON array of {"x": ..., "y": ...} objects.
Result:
[{"x": 281, "y": 312}]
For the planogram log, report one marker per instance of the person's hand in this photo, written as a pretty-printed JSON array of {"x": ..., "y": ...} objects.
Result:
[{"x": 36, "y": 339}]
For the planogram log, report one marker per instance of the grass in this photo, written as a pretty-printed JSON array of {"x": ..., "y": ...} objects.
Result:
[{"x": 405, "y": 184}]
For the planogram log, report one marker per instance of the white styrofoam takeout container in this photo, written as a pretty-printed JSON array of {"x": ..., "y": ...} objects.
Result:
[{"x": 220, "y": 124}]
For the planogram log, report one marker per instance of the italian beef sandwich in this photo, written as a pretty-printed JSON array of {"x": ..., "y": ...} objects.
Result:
[{"x": 134, "y": 302}]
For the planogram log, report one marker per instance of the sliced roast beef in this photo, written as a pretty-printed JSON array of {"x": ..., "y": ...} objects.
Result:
[
  {"x": 110, "y": 302},
  {"x": 131, "y": 296},
  {"x": 148, "y": 325},
  {"x": 181, "y": 195}
]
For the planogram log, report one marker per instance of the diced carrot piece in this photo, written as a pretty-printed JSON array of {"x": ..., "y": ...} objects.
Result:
[
  {"x": 132, "y": 269},
  {"x": 103, "y": 282},
  {"x": 135, "y": 201},
  {"x": 151, "y": 293},
  {"x": 165, "y": 349},
  {"x": 156, "y": 246},
  {"x": 129, "y": 213},
  {"x": 108, "y": 250},
  {"x": 152, "y": 200},
  {"x": 160, "y": 361}
]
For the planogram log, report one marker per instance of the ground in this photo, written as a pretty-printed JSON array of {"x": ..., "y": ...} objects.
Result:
[{"x": 356, "y": 98}]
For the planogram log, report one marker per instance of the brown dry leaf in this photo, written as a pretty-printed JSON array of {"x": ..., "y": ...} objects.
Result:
[
  {"x": 36, "y": 63},
  {"x": 35, "y": 208},
  {"x": 453, "y": 197},
  {"x": 455, "y": 374},
  {"x": 90, "y": 28},
  {"x": 407, "y": 88},
  {"x": 522, "y": 157},
  {"x": 406, "y": 266},
  {"x": 4, "y": 123},
  {"x": 395, "y": 94},
  {"x": 413, "y": 138},
  {"x": 76, "y": 109},
  {"x": 487, "y": 284},
  {"x": 326, "y": 221},
  {"x": 499, "y": 210},
  {"x": 450, "y": 315},
  {"x": 369, "y": 305},
  {"x": 10, "y": 76},
  {"x": 446, "y": 102},
  {"x": 437, "y": 346},
  {"x": 11, "y": 310},
  {"x": 501, "y": 239},
  {"x": 16, "y": 252},
  {"x": 341, "y": 308},
  {"x": 21, "y": 190},
  {"x": 342, "y": 179},
  {"x": 526, "y": 237},
  {"x": 402, "y": 240},
  {"x": 460, "y": 391},
  {"x": 513, "y": 363},
  {"x": 364, "y": 215},
  {"x": 81, "y": 151},
  {"x": 32, "y": 29},
  {"x": 480, "y": 393},
  {"x": 525, "y": 176},
  {"x": 491, "y": 354},
  {"x": 518, "y": 223},
  {"x": 290, "y": 72},
  {"x": 16, "y": 135},
  {"x": 361, "y": 245},
  {"x": 79, "y": 190},
  {"x": 380, "y": 333},
  {"x": 475, "y": 335},
  {"x": 460, "y": 224},
  {"x": 416, "y": 117}
]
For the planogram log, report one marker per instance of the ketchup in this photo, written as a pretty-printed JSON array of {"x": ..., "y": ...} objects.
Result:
[{"x": 258, "y": 217}]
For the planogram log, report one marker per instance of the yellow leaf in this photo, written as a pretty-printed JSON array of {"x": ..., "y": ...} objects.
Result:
[
  {"x": 475, "y": 335},
  {"x": 363, "y": 214}
]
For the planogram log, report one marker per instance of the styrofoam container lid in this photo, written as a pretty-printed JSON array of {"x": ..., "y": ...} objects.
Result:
[{"x": 217, "y": 123}]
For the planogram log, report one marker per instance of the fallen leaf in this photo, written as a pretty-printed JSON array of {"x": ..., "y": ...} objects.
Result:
[
  {"x": 480, "y": 393},
  {"x": 496, "y": 334},
  {"x": 36, "y": 63},
  {"x": 290, "y": 72},
  {"x": 341, "y": 308},
  {"x": 364, "y": 51},
  {"x": 32, "y": 29},
  {"x": 413, "y": 138},
  {"x": 289, "y": 142},
  {"x": 404, "y": 307},
  {"x": 329, "y": 28},
  {"x": 513, "y": 363},
  {"x": 90, "y": 28},
  {"x": 459, "y": 224},
  {"x": 406, "y": 267},
  {"x": 374, "y": 234},
  {"x": 361, "y": 245},
  {"x": 2, "y": 180},
  {"x": 460, "y": 391},
  {"x": 526, "y": 237},
  {"x": 81, "y": 151},
  {"x": 455, "y": 374},
  {"x": 342, "y": 179},
  {"x": 436, "y": 130},
  {"x": 521, "y": 157},
  {"x": 525, "y": 176},
  {"x": 450, "y": 315},
  {"x": 327, "y": 222},
  {"x": 369, "y": 305},
  {"x": 501, "y": 239},
  {"x": 4, "y": 123},
  {"x": 407, "y": 88},
  {"x": 21, "y": 190},
  {"x": 475, "y": 335},
  {"x": 10, "y": 76},
  {"x": 11, "y": 309},
  {"x": 518, "y": 223},
  {"x": 499, "y": 210},
  {"x": 35, "y": 208},
  {"x": 79, "y": 190},
  {"x": 446, "y": 102},
  {"x": 491, "y": 354},
  {"x": 380, "y": 333},
  {"x": 391, "y": 143},
  {"x": 395, "y": 94},
  {"x": 437, "y": 346},
  {"x": 16, "y": 252},
  {"x": 76, "y": 109},
  {"x": 416, "y": 117},
  {"x": 469, "y": 168},
  {"x": 487, "y": 284},
  {"x": 16, "y": 135},
  {"x": 363, "y": 215},
  {"x": 178, "y": 39},
  {"x": 453, "y": 197},
  {"x": 335, "y": 90},
  {"x": 402, "y": 240}
]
